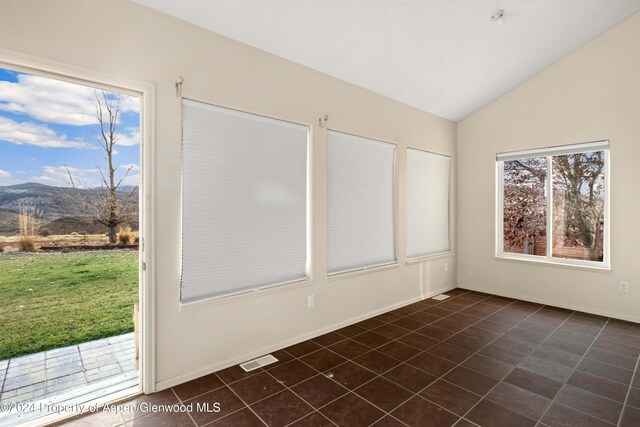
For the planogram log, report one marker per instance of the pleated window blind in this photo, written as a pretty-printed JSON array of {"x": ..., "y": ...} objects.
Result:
[
  {"x": 427, "y": 203},
  {"x": 360, "y": 203},
  {"x": 244, "y": 203}
]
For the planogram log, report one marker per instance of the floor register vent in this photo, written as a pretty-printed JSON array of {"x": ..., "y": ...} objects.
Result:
[
  {"x": 254, "y": 364},
  {"x": 440, "y": 297}
]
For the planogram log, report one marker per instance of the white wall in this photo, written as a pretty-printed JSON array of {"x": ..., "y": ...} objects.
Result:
[
  {"x": 126, "y": 40},
  {"x": 591, "y": 95}
]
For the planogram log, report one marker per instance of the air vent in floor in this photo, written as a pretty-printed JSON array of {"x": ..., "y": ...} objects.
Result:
[
  {"x": 440, "y": 297},
  {"x": 254, "y": 364}
]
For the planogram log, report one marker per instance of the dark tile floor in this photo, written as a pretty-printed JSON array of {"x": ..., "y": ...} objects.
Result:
[{"x": 473, "y": 359}]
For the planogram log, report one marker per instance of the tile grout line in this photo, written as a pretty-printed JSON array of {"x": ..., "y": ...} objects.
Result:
[
  {"x": 246, "y": 405},
  {"x": 417, "y": 394},
  {"x": 391, "y": 340},
  {"x": 626, "y": 399},
  {"x": 288, "y": 388},
  {"x": 4, "y": 377},
  {"x": 604, "y": 363},
  {"x": 538, "y": 346},
  {"x": 404, "y": 362},
  {"x": 225, "y": 385},
  {"x": 414, "y": 394},
  {"x": 349, "y": 391},
  {"x": 181, "y": 402},
  {"x": 84, "y": 370},
  {"x": 441, "y": 377},
  {"x": 572, "y": 372}
]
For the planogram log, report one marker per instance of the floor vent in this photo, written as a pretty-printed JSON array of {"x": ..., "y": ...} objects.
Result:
[
  {"x": 440, "y": 297},
  {"x": 254, "y": 364}
]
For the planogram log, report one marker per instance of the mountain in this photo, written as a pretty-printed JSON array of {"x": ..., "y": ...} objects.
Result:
[
  {"x": 55, "y": 206},
  {"x": 8, "y": 223}
]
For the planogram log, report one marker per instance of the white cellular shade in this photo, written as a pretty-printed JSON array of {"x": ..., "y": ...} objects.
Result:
[
  {"x": 427, "y": 203},
  {"x": 244, "y": 203},
  {"x": 360, "y": 202}
]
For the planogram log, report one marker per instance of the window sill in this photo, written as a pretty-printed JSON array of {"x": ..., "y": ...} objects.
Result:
[
  {"x": 360, "y": 272},
  {"x": 428, "y": 258},
  {"x": 196, "y": 305},
  {"x": 558, "y": 263}
]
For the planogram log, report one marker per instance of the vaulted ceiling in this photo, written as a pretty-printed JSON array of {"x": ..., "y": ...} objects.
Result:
[{"x": 446, "y": 57}]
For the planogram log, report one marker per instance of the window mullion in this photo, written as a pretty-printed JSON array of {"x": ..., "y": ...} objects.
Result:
[
  {"x": 500, "y": 198},
  {"x": 549, "y": 188}
]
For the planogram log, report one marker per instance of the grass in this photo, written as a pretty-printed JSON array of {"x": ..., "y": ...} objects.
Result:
[{"x": 54, "y": 300}]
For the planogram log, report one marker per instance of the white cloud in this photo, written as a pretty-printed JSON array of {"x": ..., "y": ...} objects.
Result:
[
  {"x": 48, "y": 180},
  {"x": 55, "y": 101},
  {"x": 59, "y": 176},
  {"x": 133, "y": 167},
  {"x": 132, "y": 179},
  {"x": 127, "y": 140},
  {"x": 83, "y": 177},
  {"x": 6, "y": 178},
  {"x": 33, "y": 134}
]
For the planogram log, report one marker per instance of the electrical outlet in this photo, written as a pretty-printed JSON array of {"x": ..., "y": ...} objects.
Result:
[
  {"x": 311, "y": 301},
  {"x": 446, "y": 266},
  {"x": 624, "y": 286}
]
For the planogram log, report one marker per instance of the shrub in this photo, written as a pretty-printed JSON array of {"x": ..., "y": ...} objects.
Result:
[
  {"x": 1, "y": 249},
  {"x": 28, "y": 218},
  {"x": 136, "y": 238},
  {"x": 26, "y": 244},
  {"x": 125, "y": 235},
  {"x": 45, "y": 232}
]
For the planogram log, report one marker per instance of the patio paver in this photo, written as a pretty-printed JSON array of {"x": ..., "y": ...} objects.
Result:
[{"x": 45, "y": 374}]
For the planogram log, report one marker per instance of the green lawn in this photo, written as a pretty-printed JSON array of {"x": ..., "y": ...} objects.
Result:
[{"x": 54, "y": 300}]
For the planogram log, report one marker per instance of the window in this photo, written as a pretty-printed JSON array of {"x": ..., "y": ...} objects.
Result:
[
  {"x": 553, "y": 204},
  {"x": 360, "y": 203},
  {"x": 427, "y": 203},
  {"x": 244, "y": 207}
]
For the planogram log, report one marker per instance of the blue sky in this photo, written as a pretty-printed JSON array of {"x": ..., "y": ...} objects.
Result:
[{"x": 47, "y": 125}]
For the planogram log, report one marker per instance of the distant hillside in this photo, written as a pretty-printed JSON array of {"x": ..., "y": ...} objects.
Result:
[
  {"x": 58, "y": 212},
  {"x": 8, "y": 223}
]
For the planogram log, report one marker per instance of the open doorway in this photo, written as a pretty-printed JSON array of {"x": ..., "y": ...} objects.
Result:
[{"x": 70, "y": 237}]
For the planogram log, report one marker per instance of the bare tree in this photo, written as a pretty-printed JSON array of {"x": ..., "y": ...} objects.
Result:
[
  {"x": 578, "y": 204},
  {"x": 107, "y": 205},
  {"x": 524, "y": 205}
]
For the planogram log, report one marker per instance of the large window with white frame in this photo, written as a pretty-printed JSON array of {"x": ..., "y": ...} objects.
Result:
[
  {"x": 361, "y": 228},
  {"x": 553, "y": 204},
  {"x": 244, "y": 202}
]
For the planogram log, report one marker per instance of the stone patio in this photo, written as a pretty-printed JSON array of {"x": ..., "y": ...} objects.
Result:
[{"x": 55, "y": 372}]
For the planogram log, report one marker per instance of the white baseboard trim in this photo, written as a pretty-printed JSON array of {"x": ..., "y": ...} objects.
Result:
[
  {"x": 174, "y": 381},
  {"x": 552, "y": 303}
]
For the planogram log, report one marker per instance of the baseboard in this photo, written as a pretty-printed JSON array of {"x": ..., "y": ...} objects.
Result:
[
  {"x": 553, "y": 303},
  {"x": 171, "y": 382}
]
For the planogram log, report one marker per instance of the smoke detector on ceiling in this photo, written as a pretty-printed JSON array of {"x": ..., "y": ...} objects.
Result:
[{"x": 498, "y": 17}]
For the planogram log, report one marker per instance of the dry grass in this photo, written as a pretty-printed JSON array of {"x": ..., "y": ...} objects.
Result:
[
  {"x": 28, "y": 226},
  {"x": 26, "y": 243},
  {"x": 11, "y": 243},
  {"x": 125, "y": 235}
]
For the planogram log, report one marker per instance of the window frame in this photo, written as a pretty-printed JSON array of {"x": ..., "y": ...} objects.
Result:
[{"x": 548, "y": 153}]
